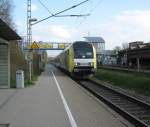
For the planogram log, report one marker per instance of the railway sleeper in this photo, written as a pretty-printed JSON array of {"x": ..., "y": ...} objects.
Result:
[
  {"x": 147, "y": 122},
  {"x": 140, "y": 113},
  {"x": 129, "y": 106},
  {"x": 143, "y": 117},
  {"x": 119, "y": 102},
  {"x": 133, "y": 110},
  {"x": 112, "y": 96},
  {"x": 117, "y": 99}
]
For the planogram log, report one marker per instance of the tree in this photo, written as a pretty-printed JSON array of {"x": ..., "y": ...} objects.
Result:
[
  {"x": 6, "y": 7},
  {"x": 117, "y": 48},
  {"x": 125, "y": 45}
]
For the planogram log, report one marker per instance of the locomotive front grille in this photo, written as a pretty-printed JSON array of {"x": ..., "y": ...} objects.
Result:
[{"x": 83, "y": 69}]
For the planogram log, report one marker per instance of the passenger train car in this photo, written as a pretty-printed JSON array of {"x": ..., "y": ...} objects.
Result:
[{"x": 78, "y": 59}]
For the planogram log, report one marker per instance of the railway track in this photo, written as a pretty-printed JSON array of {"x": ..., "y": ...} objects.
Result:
[{"x": 136, "y": 111}]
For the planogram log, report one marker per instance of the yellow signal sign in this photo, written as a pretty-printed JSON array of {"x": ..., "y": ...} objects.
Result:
[
  {"x": 45, "y": 46},
  {"x": 61, "y": 46},
  {"x": 48, "y": 46},
  {"x": 34, "y": 45}
]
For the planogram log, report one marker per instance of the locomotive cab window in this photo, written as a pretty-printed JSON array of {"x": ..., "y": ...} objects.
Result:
[{"x": 83, "y": 50}]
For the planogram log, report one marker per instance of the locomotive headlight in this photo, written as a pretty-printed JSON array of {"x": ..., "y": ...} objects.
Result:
[
  {"x": 91, "y": 63},
  {"x": 76, "y": 64}
]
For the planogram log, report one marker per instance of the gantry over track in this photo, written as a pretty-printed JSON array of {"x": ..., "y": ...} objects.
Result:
[{"x": 47, "y": 46}]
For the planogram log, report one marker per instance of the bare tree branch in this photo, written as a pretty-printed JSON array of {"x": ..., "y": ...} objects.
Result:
[{"x": 6, "y": 7}]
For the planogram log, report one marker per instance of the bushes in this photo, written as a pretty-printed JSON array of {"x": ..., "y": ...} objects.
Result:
[
  {"x": 133, "y": 81},
  {"x": 17, "y": 61}
]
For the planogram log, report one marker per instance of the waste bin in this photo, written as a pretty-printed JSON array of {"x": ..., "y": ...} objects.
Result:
[{"x": 19, "y": 79}]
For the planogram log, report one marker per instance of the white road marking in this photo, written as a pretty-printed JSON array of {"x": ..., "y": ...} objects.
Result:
[{"x": 70, "y": 116}]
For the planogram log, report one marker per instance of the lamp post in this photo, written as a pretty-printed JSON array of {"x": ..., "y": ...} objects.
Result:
[
  {"x": 29, "y": 43},
  {"x": 30, "y": 29}
]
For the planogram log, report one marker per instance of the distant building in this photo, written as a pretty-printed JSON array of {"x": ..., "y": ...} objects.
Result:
[
  {"x": 136, "y": 56},
  {"x": 98, "y": 43},
  {"x": 136, "y": 44},
  {"x": 108, "y": 57}
]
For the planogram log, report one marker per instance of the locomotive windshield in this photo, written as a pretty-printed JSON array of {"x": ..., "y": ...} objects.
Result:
[{"x": 83, "y": 50}]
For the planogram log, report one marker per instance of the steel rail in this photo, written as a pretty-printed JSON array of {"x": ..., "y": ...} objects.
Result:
[{"x": 134, "y": 110}]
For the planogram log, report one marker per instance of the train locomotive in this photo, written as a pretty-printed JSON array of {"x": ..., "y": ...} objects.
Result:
[{"x": 79, "y": 59}]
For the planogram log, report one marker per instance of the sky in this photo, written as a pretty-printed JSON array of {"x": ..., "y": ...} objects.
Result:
[{"x": 116, "y": 21}]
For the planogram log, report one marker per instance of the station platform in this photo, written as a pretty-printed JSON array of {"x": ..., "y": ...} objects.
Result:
[{"x": 58, "y": 101}]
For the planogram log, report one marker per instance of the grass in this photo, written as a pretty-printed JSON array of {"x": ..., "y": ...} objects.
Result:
[
  {"x": 13, "y": 83},
  {"x": 138, "y": 82},
  {"x": 30, "y": 83}
]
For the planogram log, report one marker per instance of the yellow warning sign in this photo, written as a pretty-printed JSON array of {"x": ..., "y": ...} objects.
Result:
[
  {"x": 48, "y": 45},
  {"x": 34, "y": 45}
]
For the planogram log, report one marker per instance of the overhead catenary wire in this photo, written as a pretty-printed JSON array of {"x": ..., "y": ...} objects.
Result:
[
  {"x": 72, "y": 15},
  {"x": 83, "y": 9},
  {"x": 46, "y": 8},
  {"x": 84, "y": 15},
  {"x": 53, "y": 15},
  {"x": 79, "y": 21},
  {"x": 91, "y": 11}
]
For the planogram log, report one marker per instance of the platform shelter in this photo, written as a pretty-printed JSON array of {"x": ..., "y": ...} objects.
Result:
[{"x": 7, "y": 34}]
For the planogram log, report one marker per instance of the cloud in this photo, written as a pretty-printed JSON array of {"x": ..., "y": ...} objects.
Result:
[
  {"x": 34, "y": 7},
  {"x": 19, "y": 24},
  {"x": 51, "y": 33},
  {"x": 20, "y": 27},
  {"x": 127, "y": 26},
  {"x": 59, "y": 32}
]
